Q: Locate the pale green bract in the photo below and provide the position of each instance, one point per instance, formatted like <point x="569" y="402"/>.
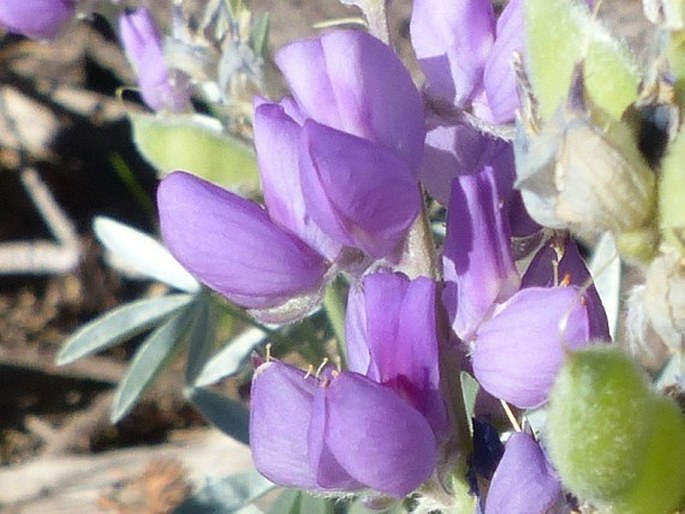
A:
<point x="197" y="144"/>
<point x="561" y="33"/>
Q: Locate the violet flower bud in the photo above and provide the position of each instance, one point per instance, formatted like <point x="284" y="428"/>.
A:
<point x="499" y="79"/>
<point x="392" y="338"/>
<point x="277" y="138"/>
<point x="351" y="81"/>
<point x="143" y="46"/>
<point x="518" y="351"/>
<point x="466" y="58"/>
<point x="524" y="483"/>
<point x="452" y="40"/>
<point x="560" y="261"/>
<point x="340" y="432"/>
<point x="231" y="245"/>
<point x="37" y="19"/>
<point x="361" y="194"/>
<point x="478" y="264"/>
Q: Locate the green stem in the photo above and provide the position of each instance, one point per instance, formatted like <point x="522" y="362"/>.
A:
<point x="335" y="311"/>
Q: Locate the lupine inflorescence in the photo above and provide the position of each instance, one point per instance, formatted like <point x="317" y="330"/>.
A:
<point x="450" y="213"/>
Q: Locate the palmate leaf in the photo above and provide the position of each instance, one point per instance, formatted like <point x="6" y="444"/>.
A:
<point x="229" y="416"/>
<point x="230" y="359"/>
<point x="143" y="253"/>
<point x="230" y="495"/>
<point x="202" y="336"/>
<point x="197" y="144"/>
<point x="120" y="324"/>
<point x="157" y="350"/>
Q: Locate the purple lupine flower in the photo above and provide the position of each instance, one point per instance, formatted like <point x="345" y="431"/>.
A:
<point x="351" y="81"/>
<point x="277" y="137"/>
<point x="231" y="244"/>
<point x="361" y="194"/>
<point x="332" y="188"/>
<point x="498" y="78"/>
<point x="524" y="483"/>
<point x="518" y="351"/>
<point x="392" y="338"/>
<point x="560" y="260"/>
<point x="337" y="432"/>
<point x="460" y="149"/>
<point x="467" y="57"/>
<point x="143" y="46"/>
<point x="478" y="264"/>
<point x="37" y="19"/>
<point x="339" y="162"/>
<point x="452" y="40"/>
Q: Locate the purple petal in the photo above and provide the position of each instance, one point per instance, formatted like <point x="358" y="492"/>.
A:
<point x="231" y="245"/>
<point x="377" y="437"/>
<point x="359" y="193"/>
<point x="392" y="339"/>
<point x="452" y="40"/>
<point x="280" y="411"/>
<point x="277" y="141"/>
<point x="353" y="82"/>
<point x="143" y="46"/>
<point x="478" y="264"/>
<point x="37" y="19"/>
<point x="328" y="471"/>
<point x="520" y="349"/>
<point x="454" y="150"/>
<point x="523" y="482"/>
<point x="570" y="270"/>
<point x="499" y="78"/>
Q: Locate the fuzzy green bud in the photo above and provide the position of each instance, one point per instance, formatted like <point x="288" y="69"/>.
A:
<point x="598" y="422"/>
<point x="614" y="442"/>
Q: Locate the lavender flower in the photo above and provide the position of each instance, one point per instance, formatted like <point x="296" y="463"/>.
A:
<point x="232" y="245"/>
<point x="331" y="188"/>
<point x="518" y="336"/>
<point x="361" y="194"/>
<point x="277" y="137"/>
<point x="467" y="57"/>
<point x="351" y="81"/>
<point x="518" y="351"/>
<point x="392" y="338"/>
<point x="559" y="261"/>
<point x="478" y="264"/>
<point x="358" y="125"/>
<point x="143" y="46"/>
<point x="338" y="432"/>
<point x="524" y="483"/>
<point x="37" y="19"/>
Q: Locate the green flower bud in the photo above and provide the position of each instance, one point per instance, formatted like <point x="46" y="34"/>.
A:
<point x="639" y="245"/>
<point x="598" y="422"/>
<point x="660" y="485"/>
<point x="671" y="193"/>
